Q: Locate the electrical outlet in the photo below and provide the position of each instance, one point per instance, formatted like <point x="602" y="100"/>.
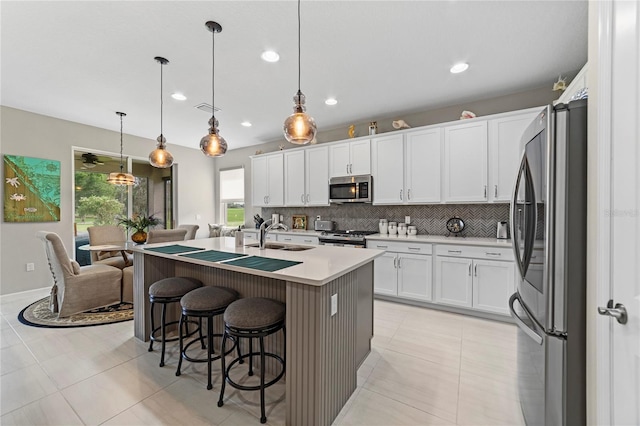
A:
<point x="31" y="267"/>
<point x="334" y="304"/>
<point x="318" y="217"/>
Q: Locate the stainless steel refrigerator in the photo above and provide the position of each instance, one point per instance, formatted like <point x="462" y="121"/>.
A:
<point x="548" y="224"/>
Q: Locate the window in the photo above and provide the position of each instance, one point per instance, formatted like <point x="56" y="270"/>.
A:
<point x="232" y="196"/>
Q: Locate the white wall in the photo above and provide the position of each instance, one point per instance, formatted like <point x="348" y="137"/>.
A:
<point x="32" y="135"/>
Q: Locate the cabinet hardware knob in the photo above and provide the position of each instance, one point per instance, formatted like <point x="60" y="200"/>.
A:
<point x="493" y="254"/>
<point x="495" y="192"/>
<point x="401" y="195"/>
<point x="395" y="262"/>
<point x="485" y="191"/>
<point x="475" y="270"/>
<point x="454" y="251"/>
<point x="409" y="194"/>
<point x="469" y="269"/>
<point x="414" y="248"/>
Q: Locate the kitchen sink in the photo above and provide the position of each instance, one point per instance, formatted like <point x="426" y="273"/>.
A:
<point x="274" y="246"/>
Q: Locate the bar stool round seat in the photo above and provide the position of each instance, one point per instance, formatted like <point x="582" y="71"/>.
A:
<point x="204" y="302"/>
<point x="164" y="292"/>
<point x="253" y="317"/>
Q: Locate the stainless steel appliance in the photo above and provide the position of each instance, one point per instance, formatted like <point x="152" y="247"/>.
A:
<point x="501" y="231"/>
<point x="324" y="225"/>
<point x="349" y="238"/>
<point x="350" y="189"/>
<point x="548" y="227"/>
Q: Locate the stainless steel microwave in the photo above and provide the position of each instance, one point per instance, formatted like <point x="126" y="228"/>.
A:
<point x="350" y="189"/>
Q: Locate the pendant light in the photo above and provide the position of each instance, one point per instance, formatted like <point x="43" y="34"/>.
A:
<point x="160" y="157"/>
<point x="121" y="178"/>
<point x="213" y="145"/>
<point x="299" y="128"/>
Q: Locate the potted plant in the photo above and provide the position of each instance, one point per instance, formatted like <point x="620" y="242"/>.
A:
<point x="139" y="223"/>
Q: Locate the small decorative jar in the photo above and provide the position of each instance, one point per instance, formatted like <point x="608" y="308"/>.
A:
<point x="373" y="128"/>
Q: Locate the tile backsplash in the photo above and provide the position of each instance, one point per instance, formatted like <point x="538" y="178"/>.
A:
<point x="480" y="219"/>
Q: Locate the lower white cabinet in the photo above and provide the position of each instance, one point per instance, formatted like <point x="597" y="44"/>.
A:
<point x="401" y="274"/>
<point x="472" y="283"/>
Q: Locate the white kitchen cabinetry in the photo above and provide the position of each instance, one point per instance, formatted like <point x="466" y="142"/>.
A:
<point x="505" y="150"/>
<point x="267" y="180"/>
<point x="405" y="270"/>
<point x="470" y="278"/>
<point x="350" y="158"/>
<point x="306" y="177"/>
<point x="465" y="162"/>
<point x="406" y="168"/>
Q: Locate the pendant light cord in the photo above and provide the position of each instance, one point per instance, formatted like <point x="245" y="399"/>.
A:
<point x="161" y="132"/>
<point x="298" y="46"/>
<point x="121" y="167"/>
<point x="213" y="74"/>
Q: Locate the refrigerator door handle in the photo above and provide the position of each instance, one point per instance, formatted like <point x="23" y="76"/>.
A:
<point x="520" y="323"/>
<point x="514" y="211"/>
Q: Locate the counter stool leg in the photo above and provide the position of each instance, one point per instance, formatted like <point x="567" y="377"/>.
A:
<point x="224" y="370"/>
<point x="251" y="356"/>
<point x="210" y="350"/>
<point x="164" y="332"/>
<point x="200" y="332"/>
<point x="237" y="342"/>
<point x="263" y="419"/>
<point x="182" y="318"/>
<point x="152" y="328"/>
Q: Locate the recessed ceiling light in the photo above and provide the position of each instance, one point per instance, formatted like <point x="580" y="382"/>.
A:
<point x="270" y="56"/>
<point x="458" y="68"/>
<point x="179" y="97"/>
<point x="246" y="123"/>
<point x="331" y="101"/>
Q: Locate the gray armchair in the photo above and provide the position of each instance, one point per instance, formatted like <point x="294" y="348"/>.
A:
<point x="78" y="288"/>
<point x="108" y="234"/>
<point x="154" y="236"/>
<point x="191" y="231"/>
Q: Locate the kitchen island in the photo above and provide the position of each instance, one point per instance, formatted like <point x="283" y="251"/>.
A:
<point x="323" y="351"/>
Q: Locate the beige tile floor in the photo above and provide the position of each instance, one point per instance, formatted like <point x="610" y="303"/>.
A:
<point x="426" y="367"/>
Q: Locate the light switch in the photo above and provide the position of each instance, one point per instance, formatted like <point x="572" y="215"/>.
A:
<point x="334" y="304"/>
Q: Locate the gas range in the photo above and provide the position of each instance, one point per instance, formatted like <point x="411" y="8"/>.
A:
<point x="345" y="238"/>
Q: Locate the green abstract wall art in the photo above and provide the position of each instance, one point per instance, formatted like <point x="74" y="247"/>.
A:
<point x="31" y="189"/>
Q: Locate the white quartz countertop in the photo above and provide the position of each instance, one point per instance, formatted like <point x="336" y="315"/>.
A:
<point x="441" y="239"/>
<point x="320" y="264"/>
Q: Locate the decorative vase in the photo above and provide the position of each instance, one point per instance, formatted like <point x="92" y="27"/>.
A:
<point x="139" y="237"/>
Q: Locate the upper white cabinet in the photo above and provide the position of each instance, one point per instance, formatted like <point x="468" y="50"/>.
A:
<point x="387" y="160"/>
<point x="465" y="162"/>
<point x="350" y="158"/>
<point x="406" y="167"/>
<point x="505" y="148"/>
<point x="306" y="176"/>
<point x="267" y="180"/>
<point x="422" y="165"/>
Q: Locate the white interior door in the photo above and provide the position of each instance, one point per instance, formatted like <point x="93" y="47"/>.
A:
<point x="618" y="203"/>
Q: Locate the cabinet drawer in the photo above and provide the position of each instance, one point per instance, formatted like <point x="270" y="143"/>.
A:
<point x="400" y="247"/>
<point x="494" y="253"/>
<point x="298" y="239"/>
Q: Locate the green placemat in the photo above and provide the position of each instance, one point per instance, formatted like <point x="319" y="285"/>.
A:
<point x="262" y="263"/>
<point x="173" y="249"/>
<point x="213" y="255"/>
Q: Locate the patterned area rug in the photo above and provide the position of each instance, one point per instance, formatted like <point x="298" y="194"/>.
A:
<point x="38" y="315"/>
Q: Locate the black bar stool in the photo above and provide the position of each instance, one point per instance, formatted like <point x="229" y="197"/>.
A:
<point x="252" y="317"/>
<point x="164" y="292"/>
<point x="204" y="302"/>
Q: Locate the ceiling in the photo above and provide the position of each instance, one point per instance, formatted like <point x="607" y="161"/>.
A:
<point x="84" y="60"/>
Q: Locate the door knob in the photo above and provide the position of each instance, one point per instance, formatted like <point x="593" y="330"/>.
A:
<point x="619" y="312"/>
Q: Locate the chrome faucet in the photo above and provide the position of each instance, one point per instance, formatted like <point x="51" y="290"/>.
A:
<point x="265" y="228"/>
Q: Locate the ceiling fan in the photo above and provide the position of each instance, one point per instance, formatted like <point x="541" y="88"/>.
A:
<point x="90" y="160"/>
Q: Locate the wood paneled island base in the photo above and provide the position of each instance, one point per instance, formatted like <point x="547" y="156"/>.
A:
<point x="323" y="351"/>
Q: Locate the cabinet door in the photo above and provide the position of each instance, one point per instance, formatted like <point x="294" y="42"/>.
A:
<point x="414" y="276"/>
<point x="360" y="154"/>
<point x="339" y="160"/>
<point x="505" y="150"/>
<point x="298" y="239"/>
<point x="453" y="281"/>
<point x="275" y="180"/>
<point x="465" y="162"/>
<point x="317" y="176"/>
<point x="492" y="285"/>
<point x="259" y="188"/>
<point x="422" y="166"/>
<point x="385" y="275"/>
<point x="387" y="170"/>
<point x="294" y="173"/>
